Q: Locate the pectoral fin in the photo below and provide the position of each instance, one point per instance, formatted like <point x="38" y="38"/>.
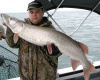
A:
<point x="49" y="48"/>
<point x="15" y="38"/>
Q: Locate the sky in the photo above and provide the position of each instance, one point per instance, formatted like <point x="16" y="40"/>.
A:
<point x="9" y="6"/>
<point x="14" y="6"/>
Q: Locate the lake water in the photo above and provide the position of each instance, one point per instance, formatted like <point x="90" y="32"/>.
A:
<point x="89" y="33"/>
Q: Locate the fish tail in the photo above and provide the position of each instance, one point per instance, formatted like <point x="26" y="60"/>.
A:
<point x="87" y="72"/>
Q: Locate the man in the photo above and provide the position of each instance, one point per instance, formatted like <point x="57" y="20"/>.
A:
<point x="35" y="62"/>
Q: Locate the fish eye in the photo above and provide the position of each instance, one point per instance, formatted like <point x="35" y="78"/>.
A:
<point x="10" y="18"/>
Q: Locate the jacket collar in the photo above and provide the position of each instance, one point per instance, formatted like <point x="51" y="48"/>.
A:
<point x="43" y="22"/>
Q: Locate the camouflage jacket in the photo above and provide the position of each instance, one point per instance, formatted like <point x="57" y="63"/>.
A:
<point x="33" y="63"/>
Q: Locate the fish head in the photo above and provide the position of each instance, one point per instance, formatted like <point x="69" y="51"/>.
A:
<point x="13" y="23"/>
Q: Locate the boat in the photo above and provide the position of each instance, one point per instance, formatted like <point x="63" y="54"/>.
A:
<point x="69" y="74"/>
<point x="66" y="73"/>
<point x="8" y="64"/>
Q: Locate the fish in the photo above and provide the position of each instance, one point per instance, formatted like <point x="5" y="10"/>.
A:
<point x="41" y="36"/>
<point x="2" y="31"/>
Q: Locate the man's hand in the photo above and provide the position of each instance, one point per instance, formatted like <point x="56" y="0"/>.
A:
<point x="4" y="24"/>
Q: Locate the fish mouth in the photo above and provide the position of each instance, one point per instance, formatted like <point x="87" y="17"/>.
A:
<point x="2" y="16"/>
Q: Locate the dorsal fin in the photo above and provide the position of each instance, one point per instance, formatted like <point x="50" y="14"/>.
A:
<point x="84" y="47"/>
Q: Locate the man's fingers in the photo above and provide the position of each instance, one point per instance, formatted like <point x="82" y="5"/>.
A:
<point x="4" y="24"/>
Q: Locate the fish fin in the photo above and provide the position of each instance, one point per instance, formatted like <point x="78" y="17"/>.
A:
<point x="84" y="47"/>
<point x="75" y="64"/>
<point x="15" y="38"/>
<point x="87" y="72"/>
<point x="49" y="48"/>
<point x="86" y="75"/>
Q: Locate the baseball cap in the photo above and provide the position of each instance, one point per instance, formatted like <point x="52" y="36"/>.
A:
<point x="34" y="4"/>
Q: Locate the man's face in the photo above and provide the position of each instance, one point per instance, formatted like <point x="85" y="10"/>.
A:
<point x="36" y="15"/>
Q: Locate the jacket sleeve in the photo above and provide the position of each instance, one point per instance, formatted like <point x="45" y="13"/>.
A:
<point x="9" y="39"/>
